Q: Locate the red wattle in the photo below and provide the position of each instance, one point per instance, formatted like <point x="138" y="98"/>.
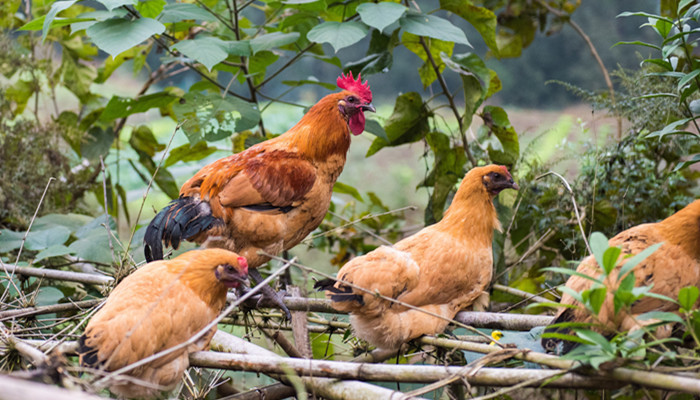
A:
<point x="357" y="123"/>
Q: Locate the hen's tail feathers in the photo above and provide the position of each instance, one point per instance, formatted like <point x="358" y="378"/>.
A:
<point x="556" y="345"/>
<point x="180" y="220"/>
<point x="342" y="293"/>
<point x="87" y="354"/>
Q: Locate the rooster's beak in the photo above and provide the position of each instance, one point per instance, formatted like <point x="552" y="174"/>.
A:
<point x="368" y="107"/>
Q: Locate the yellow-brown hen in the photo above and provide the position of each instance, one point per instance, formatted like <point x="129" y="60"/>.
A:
<point x="676" y="264"/>
<point x="441" y="269"/>
<point x="161" y="305"/>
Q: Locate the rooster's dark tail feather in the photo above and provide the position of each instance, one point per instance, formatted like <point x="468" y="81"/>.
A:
<point x="342" y="293"/>
<point x="180" y="220"/>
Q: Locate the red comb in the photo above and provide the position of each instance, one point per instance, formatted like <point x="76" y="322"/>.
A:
<point x="349" y="83"/>
<point x="243" y="263"/>
<point x="505" y="170"/>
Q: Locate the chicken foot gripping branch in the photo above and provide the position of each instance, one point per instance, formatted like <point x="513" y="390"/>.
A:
<point x="440" y="270"/>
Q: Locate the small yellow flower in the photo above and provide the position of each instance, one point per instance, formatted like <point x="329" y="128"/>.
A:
<point x="496" y="335"/>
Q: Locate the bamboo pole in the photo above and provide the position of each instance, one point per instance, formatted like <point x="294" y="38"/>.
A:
<point x="511" y="322"/>
<point x="395" y="373"/>
<point x="329" y="388"/>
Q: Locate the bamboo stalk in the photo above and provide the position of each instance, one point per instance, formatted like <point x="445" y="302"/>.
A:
<point x="54" y="308"/>
<point x="511" y="322"/>
<point x="90" y="279"/>
<point x="324" y="387"/>
<point x="394" y="373"/>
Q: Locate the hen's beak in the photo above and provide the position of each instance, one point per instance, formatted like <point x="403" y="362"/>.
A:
<point x="514" y="185"/>
<point x="368" y="107"/>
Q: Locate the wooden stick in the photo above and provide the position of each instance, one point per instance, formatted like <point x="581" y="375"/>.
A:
<point x="13" y="389"/>
<point x="54" y="308"/>
<point x="521" y="293"/>
<point x="394" y="373"/>
<point x="55" y="274"/>
<point x="299" y="328"/>
<point x="269" y="392"/>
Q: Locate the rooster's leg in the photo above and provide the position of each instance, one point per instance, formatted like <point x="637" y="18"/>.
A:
<point x="269" y="295"/>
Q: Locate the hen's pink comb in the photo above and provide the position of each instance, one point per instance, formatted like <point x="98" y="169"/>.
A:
<point x="349" y="83"/>
<point x="243" y="263"/>
<point x="505" y="170"/>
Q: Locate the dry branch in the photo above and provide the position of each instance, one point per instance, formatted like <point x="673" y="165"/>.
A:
<point x="520" y="293"/>
<point x="90" y="279"/>
<point x="269" y="392"/>
<point x="54" y="308"/>
<point x="13" y="389"/>
<point x="324" y="387"/>
<point x="393" y="373"/>
<point x="511" y="322"/>
<point x="624" y="375"/>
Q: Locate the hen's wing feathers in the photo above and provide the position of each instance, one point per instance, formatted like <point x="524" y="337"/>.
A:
<point x="276" y="178"/>
<point x="142" y="323"/>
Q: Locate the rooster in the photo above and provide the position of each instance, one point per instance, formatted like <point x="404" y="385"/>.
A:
<point x="270" y="196"/>
<point x="441" y="269"/>
<point x="676" y="264"/>
<point x="157" y="307"/>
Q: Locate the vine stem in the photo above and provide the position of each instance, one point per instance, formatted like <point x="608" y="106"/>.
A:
<point x="450" y="99"/>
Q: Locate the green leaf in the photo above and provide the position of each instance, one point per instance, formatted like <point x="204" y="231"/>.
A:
<point x="481" y="18"/>
<point x="53" y="251"/>
<point x="637" y="258"/>
<point x="96" y="143"/>
<point x="273" y="40"/>
<point x="431" y="26"/>
<point x="38" y="24"/>
<point x="238" y="48"/>
<point x="211" y="117"/>
<point x="610" y="258"/>
<point x="496" y="120"/>
<point x="376" y="129"/>
<point x="10" y="240"/>
<point x="176" y="12"/>
<point x="340" y="187"/>
<point x="380" y="15"/>
<point x="572" y="272"/>
<point x="40" y="240"/>
<point x="70" y="221"/>
<point x="112" y="4"/>
<point x="56" y="8"/>
<point x="661" y="316"/>
<point x="595" y="338"/>
<point x="338" y="34"/>
<point x="476" y="78"/>
<point x="117" y="35"/>
<point x="150" y="8"/>
<point x="694" y="160"/>
<point x="209" y="51"/>
<point x="95" y="223"/>
<point x="688" y="296"/>
<point x="598" y="243"/>
<point x="596" y="298"/>
<point x="188" y="152"/>
<point x="95" y="247"/>
<point x="408" y="123"/>
<point x="436" y="47"/>
<point x="143" y="141"/>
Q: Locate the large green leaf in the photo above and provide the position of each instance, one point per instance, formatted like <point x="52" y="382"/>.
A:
<point x="150" y="8"/>
<point x="189" y="152"/>
<point x="43" y="239"/>
<point x="211" y="117"/>
<point x="447" y="170"/>
<point x="432" y="26"/>
<point x="481" y="18"/>
<point x="96" y="143"/>
<point x="117" y="35"/>
<point x="380" y="15"/>
<point x="56" y="8"/>
<point x="38" y="24"/>
<point x="10" y="240"/>
<point x="95" y="247"/>
<point x="112" y="4"/>
<point x="478" y="81"/>
<point x="209" y="51"/>
<point x="408" y="123"/>
<point x="496" y="120"/>
<point x="437" y="48"/>
<point x="121" y="107"/>
<point x="273" y="40"/>
<point x="176" y="12"/>
<point x="338" y="34"/>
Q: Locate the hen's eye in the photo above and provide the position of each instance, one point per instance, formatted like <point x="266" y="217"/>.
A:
<point x="229" y="268"/>
<point x="497" y="175"/>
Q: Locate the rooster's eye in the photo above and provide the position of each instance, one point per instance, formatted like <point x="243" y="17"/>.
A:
<point x="352" y="99"/>
<point x="229" y="268"/>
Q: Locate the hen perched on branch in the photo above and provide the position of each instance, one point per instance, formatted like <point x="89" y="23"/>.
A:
<point x="676" y="264"/>
<point x="273" y="194"/>
<point x="161" y="305"/>
<point x="441" y="269"/>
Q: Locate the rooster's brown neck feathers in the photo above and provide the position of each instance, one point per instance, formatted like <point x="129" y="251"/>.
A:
<point x="323" y="131"/>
